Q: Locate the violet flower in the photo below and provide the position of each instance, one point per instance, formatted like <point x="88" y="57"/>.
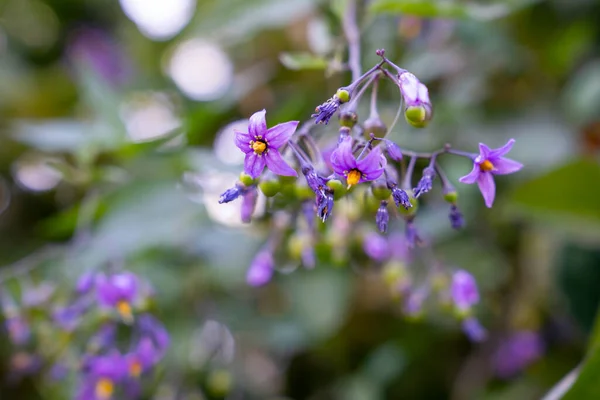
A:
<point x="425" y="183"/>
<point x="418" y="109"/>
<point x="356" y="171"/>
<point x="249" y="199"/>
<point x="261" y="269"/>
<point x="142" y="359"/>
<point x="464" y="290"/>
<point x="393" y="150"/>
<point x="383" y="216"/>
<point x="18" y="329"/>
<point x="103" y="373"/>
<point x="118" y="291"/>
<point x="473" y="329"/>
<point x="376" y="247"/>
<point x="153" y="328"/>
<point x="517" y="352"/>
<point x="488" y="163"/>
<point x="456" y="217"/>
<point x="261" y="145"/>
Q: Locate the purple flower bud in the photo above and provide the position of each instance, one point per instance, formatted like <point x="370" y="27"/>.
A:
<point x="456" y="217"/>
<point x="418" y="109"/>
<point x="58" y="372"/>
<point x="412" y="236"/>
<point x="400" y="197"/>
<point x="308" y="256"/>
<point x="151" y="327"/>
<point x="315" y="182"/>
<point x="516" y="352"/>
<point x="473" y="329"/>
<point x="18" y="329"/>
<point x="393" y="150"/>
<point x="376" y="247"/>
<point x="414" y="303"/>
<point x="425" y="183"/>
<point x="103" y="339"/>
<point x="248" y="204"/>
<point x="464" y="290"/>
<point x="382" y="218"/>
<point x="261" y="269"/>
<point x="231" y="194"/>
<point x="68" y="317"/>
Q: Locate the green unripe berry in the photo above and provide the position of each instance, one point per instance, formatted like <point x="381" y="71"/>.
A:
<point x="219" y="383"/>
<point x="303" y="192"/>
<point x="451" y="197"/>
<point x="380" y="191"/>
<point x="348" y="119"/>
<point x="338" y="187"/>
<point x="374" y="126"/>
<point x="247" y="180"/>
<point x="416" y="116"/>
<point x="270" y="187"/>
<point x="343" y="95"/>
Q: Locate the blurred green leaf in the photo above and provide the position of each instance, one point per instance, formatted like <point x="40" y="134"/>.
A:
<point x="448" y="9"/>
<point x="568" y="194"/>
<point x="298" y="61"/>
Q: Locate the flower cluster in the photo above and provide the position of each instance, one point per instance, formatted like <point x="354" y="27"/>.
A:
<point x="125" y="344"/>
<point x="359" y="172"/>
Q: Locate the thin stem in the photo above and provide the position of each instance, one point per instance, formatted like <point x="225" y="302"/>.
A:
<point x="460" y="153"/>
<point x="355" y="99"/>
<point x="406" y="182"/>
<point x="353" y="36"/>
<point x="397" y="117"/>
<point x="374" y="90"/>
<point x="352" y="87"/>
<point x="447" y="185"/>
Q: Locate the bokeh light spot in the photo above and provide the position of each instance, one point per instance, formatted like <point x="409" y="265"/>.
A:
<point x="159" y="19"/>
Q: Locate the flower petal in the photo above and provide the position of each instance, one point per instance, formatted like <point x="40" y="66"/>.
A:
<point x="254" y="164"/>
<point x="257" y="126"/>
<point x="276" y="164"/>
<point x="501" y="151"/>
<point x="487" y="186"/>
<point x="472" y="176"/>
<point x="342" y="158"/>
<point x="280" y="134"/>
<point x="484" y="153"/>
<point x="504" y="166"/>
<point x="242" y="140"/>
<point x="371" y="162"/>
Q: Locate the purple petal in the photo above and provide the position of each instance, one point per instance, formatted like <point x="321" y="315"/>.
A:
<point x="280" y="134"/>
<point x="501" y="151"/>
<point x="242" y="141"/>
<point x="254" y="164"/>
<point x="342" y="158"/>
<point x="472" y="176"/>
<point x="487" y="186"/>
<point x="276" y="164"/>
<point x="484" y="153"/>
<point x="371" y="163"/>
<point x="257" y="126"/>
<point x="504" y="166"/>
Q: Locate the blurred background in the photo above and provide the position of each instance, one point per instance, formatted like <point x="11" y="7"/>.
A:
<point x="116" y="128"/>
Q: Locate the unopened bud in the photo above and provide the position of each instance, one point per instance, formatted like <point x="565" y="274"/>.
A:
<point x="374" y="126"/>
<point x="348" y="119"/>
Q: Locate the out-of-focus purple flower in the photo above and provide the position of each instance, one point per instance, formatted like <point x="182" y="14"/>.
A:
<point x="425" y="183"/>
<point x="97" y="50"/>
<point x="68" y="317"/>
<point x="456" y="217"/>
<point x="399" y="250"/>
<point x="473" y="329"/>
<point x="104" y="338"/>
<point x="412" y="235"/>
<point x="376" y="247"/>
<point x="231" y="194"/>
<point x="356" y="171"/>
<point x="18" y="329"/>
<point x="85" y="283"/>
<point x="488" y="163"/>
<point x="23" y="364"/>
<point x="249" y="199"/>
<point x="261" y="269"/>
<point x="383" y="216"/>
<point x="152" y="328"/>
<point x="517" y="352"/>
<point x="261" y="145"/>
<point x="142" y="359"/>
<point x="308" y="256"/>
<point x="118" y="291"/>
<point x="309" y="213"/>
<point x="464" y="290"/>
<point x="103" y="374"/>
<point x="59" y="371"/>
<point x="413" y="305"/>
<point x="393" y="150"/>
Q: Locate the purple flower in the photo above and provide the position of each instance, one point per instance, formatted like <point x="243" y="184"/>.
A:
<point x="464" y="290"/>
<point x="85" y="282"/>
<point x="356" y="171"/>
<point x="142" y="359"/>
<point x="68" y="317"/>
<point x="517" y="352"/>
<point x="102" y="374"/>
<point x="315" y="182"/>
<point x="248" y="204"/>
<point x="473" y="329"/>
<point x="412" y="235"/>
<point x="383" y="216"/>
<point x="23" y="364"/>
<point x="325" y="111"/>
<point x="488" y="163"/>
<point x="59" y="371"/>
<point x="261" y="269"/>
<point x="261" y="145"/>
<point x="38" y="295"/>
<point x="118" y="291"/>
<point x="324" y="202"/>
<point x="104" y="338"/>
<point x="152" y="328"/>
<point x="376" y="247"/>
<point x="231" y="194"/>
<point x="425" y="183"/>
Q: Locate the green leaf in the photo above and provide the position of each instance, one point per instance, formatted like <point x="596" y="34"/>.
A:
<point x="567" y="195"/>
<point x="448" y="9"/>
<point x="298" y="61"/>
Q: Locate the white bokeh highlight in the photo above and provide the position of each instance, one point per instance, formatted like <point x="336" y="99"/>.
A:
<point x="224" y="145"/>
<point x="35" y="175"/>
<point x="159" y="19"/>
<point x="149" y="116"/>
<point x="200" y="69"/>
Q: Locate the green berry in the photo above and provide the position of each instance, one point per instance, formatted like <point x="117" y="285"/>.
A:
<point x="343" y="95"/>
<point x="339" y="190"/>
<point x="416" y="116"/>
<point x="451" y="197"/>
<point x="270" y="187"/>
<point x="247" y="180"/>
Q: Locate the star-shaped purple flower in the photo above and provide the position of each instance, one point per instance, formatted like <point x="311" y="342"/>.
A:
<point x="356" y="171"/>
<point x="488" y="163"/>
<point x="261" y="145"/>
